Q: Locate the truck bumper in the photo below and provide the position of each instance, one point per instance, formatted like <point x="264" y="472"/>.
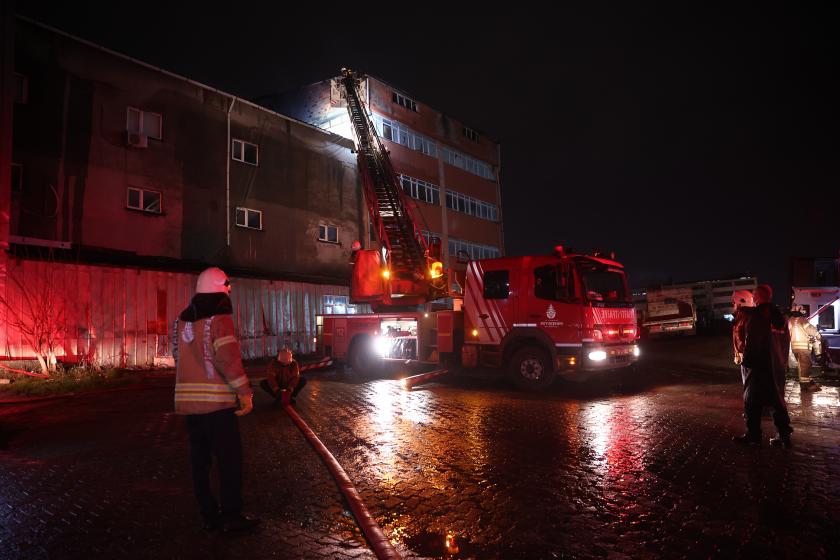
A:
<point x="598" y="357"/>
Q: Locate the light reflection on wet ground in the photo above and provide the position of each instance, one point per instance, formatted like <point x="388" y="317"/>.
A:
<point x="582" y="471"/>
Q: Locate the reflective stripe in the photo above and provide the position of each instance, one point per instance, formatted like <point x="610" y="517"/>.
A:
<point x="206" y="398"/>
<point x="208" y="359"/>
<point x="209" y="387"/>
<point x="219" y="342"/>
<point x="236" y="383"/>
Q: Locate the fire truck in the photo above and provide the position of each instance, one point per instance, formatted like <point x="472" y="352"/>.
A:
<point x="531" y="316"/>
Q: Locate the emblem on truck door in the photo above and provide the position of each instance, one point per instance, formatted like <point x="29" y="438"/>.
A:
<point x="550" y="312"/>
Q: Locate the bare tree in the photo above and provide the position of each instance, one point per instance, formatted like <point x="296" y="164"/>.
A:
<point x="39" y="317"/>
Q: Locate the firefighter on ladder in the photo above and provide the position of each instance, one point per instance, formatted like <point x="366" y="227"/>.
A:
<point x="803" y="337"/>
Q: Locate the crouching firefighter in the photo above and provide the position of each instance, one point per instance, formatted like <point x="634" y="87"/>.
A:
<point x="284" y="379"/>
<point x="212" y="390"/>
<point x="762" y="338"/>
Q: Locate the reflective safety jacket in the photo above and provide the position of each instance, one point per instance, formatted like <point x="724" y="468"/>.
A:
<point x="800" y="332"/>
<point x="209" y="375"/>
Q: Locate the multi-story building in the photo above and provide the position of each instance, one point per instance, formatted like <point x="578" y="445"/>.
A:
<point x="450" y="169"/>
<point x="125" y="180"/>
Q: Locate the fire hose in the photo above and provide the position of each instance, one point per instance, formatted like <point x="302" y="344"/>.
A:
<point x="373" y="533"/>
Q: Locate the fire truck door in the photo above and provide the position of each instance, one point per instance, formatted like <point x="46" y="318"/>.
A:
<point x="553" y="308"/>
<point x="339" y="337"/>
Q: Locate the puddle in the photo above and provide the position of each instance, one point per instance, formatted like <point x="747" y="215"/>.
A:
<point x="442" y="546"/>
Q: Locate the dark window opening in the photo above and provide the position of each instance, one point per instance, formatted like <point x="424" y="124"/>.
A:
<point x="496" y="284"/>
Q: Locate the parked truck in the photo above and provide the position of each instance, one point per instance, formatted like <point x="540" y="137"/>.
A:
<point x="531" y="316"/>
<point x="670" y="311"/>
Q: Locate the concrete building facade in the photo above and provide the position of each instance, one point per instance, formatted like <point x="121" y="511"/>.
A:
<point x="115" y="165"/>
<point x="450" y="170"/>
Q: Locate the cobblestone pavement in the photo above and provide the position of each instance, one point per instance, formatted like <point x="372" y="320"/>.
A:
<point x="628" y="465"/>
<point x="638" y="464"/>
<point x="107" y="476"/>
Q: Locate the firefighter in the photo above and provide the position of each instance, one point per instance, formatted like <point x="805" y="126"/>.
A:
<point x="212" y="390"/>
<point x="742" y="302"/>
<point x="354" y="251"/>
<point x="284" y="377"/>
<point x="763" y="342"/>
<point x="803" y="337"/>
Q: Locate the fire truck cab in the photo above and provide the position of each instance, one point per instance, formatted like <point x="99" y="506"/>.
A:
<point x="539" y="315"/>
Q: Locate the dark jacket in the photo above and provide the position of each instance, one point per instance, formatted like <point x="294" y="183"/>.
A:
<point x="766" y="340"/>
<point x="283" y="376"/>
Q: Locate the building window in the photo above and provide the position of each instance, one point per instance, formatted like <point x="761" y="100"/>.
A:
<point x="248" y="218"/>
<point x="404" y="101"/>
<point x="474" y="250"/>
<point x="467" y="163"/>
<point x="21" y="86"/>
<point x="328" y="233"/>
<point x="471" y="134"/>
<point x="399" y="133"/>
<point x="17" y="177"/>
<point x="421" y="190"/>
<point x="246" y="152"/>
<point x="144" y="123"/>
<point x="337" y="305"/>
<point x="472" y="206"/>
<point x="144" y="200"/>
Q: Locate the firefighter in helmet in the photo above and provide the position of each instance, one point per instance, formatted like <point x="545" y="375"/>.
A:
<point x="284" y="378"/>
<point x="803" y="338"/>
<point x="212" y="392"/>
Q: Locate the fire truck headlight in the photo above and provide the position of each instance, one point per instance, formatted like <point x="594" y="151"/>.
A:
<point x="636" y="351"/>
<point x="475" y="332"/>
<point x="597" y="355"/>
<point x="382" y="345"/>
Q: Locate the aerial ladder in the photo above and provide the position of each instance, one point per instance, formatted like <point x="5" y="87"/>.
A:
<point x="406" y="270"/>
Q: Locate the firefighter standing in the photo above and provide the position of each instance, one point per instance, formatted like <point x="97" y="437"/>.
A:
<point x="211" y="389"/>
<point x="803" y="336"/>
<point x="763" y="341"/>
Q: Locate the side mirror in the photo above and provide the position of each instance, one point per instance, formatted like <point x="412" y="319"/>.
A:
<point x="463" y="257"/>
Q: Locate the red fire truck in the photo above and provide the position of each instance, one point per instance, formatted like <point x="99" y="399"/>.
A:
<point x="532" y="316"/>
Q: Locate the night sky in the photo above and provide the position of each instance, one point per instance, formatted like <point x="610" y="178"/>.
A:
<point x="696" y="144"/>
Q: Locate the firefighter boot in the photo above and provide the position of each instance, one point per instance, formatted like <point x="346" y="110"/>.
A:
<point x="749" y="439"/>
<point x="781" y="440"/>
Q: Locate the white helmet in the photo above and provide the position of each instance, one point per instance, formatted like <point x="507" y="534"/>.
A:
<point x="213" y="280"/>
<point x="742" y="298"/>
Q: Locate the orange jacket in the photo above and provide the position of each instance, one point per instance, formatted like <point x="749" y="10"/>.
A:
<point x="800" y="333"/>
<point x="209" y="372"/>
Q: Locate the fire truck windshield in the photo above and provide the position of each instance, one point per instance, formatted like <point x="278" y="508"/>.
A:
<point x="603" y="284"/>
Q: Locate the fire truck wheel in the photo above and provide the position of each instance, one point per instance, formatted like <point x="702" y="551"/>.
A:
<point x="530" y="369"/>
<point x="362" y="357"/>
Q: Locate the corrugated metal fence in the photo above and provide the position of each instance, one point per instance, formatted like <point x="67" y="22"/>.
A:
<point x="123" y="316"/>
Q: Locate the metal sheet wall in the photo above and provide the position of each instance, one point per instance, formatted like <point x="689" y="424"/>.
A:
<point x="123" y="316"/>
